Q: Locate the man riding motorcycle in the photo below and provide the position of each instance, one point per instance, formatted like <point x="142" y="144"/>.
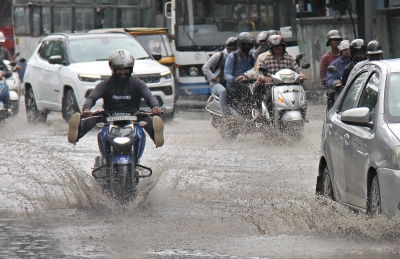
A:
<point x="333" y="39"/>
<point x="357" y="52"/>
<point x="333" y="79"/>
<point x="276" y="60"/>
<point x="262" y="40"/>
<point x="237" y="63"/>
<point x="121" y="93"/>
<point x="213" y="69"/>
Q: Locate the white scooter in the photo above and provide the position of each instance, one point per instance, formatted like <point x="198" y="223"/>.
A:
<point x="14" y="87"/>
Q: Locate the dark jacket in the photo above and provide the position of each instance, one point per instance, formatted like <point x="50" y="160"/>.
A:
<point x="123" y="97"/>
<point x="346" y="73"/>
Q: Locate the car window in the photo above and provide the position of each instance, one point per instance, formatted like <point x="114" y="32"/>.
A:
<point x="369" y="95"/>
<point x="58" y="49"/>
<point x="392" y="98"/>
<point x="350" y="98"/>
<point x="45" y="49"/>
<point x="97" y="49"/>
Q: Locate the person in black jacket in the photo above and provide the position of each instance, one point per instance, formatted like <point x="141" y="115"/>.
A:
<point x="358" y="48"/>
<point x="122" y="93"/>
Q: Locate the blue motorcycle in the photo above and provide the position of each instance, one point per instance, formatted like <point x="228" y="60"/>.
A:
<point x="121" y="143"/>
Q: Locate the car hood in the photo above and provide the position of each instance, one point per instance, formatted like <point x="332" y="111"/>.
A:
<point x="101" y="67"/>
<point x="395" y="129"/>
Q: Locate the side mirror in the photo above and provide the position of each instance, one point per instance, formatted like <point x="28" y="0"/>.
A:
<point x="13" y="63"/>
<point x="357" y="117"/>
<point x="332" y="69"/>
<point x="16" y="55"/>
<point x="157" y="56"/>
<point x="55" y="60"/>
<point x="299" y="56"/>
<point x="305" y="66"/>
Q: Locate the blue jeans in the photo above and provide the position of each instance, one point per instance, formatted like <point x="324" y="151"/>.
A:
<point x="220" y="90"/>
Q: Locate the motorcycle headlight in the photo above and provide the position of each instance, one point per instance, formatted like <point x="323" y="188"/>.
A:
<point x="89" y="78"/>
<point x="396" y="158"/>
<point x="193" y="71"/>
<point x="121" y="140"/>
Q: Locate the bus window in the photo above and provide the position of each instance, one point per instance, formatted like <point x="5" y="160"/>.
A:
<point x="62" y="19"/>
<point x="21" y="20"/>
<point x="84" y="18"/>
<point x="128" y="17"/>
<point x="110" y="20"/>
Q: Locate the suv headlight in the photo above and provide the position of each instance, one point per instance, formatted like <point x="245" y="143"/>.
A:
<point x="166" y="74"/>
<point x="89" y="78"/>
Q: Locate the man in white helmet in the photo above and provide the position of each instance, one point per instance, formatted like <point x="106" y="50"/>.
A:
<point x="4" y="54"/>
<point x="121" y="93"/>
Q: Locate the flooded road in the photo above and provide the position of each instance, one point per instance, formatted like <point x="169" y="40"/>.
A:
<point x="208" y="198"/>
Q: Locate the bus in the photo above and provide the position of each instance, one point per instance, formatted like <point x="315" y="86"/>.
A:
<point x="198" y="28"/>
<point x="201" y="27"/>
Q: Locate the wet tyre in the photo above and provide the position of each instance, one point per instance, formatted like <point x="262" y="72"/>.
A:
<point x="374" y="198"/>
<point x="123" y="184"/>
<point x="69" y="106"/>
<point x="14" y="106"/>
<point x="32" y="113"/>
<point x="327" y="189"/>
<point x="103" y="179"/>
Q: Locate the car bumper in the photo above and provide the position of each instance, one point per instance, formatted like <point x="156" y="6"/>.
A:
<point x="389" y="185"/>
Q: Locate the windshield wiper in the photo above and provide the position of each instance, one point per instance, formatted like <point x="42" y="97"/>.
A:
<point x="142" y="58"/>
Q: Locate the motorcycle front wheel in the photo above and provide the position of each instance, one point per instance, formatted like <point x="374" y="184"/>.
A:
<point x="124" y="184"/>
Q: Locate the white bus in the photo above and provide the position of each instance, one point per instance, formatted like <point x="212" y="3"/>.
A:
<point x="201" y="27"/>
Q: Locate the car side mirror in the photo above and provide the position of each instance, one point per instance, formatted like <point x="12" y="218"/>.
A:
<point x="305" y="66"/>
<point x="56" y="60"/>
<point x="357" y="117"/>
<point x="332" y="69"/>
<point x="156" y="56"/>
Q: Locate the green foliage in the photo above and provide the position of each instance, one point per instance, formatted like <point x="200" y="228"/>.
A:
<point x="340" y="6"/>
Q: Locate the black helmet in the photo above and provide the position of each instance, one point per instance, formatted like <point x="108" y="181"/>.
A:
<point x="246" y="41"/>
<point x="264" y="35"/>
<point x="358" y="45"/>
<point x="333" y="34"/>
<point x="276" y="40"/>
<point x="231" y="43"/>
<point x="374" y="47"/>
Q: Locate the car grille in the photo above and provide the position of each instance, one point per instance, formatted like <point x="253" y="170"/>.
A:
<point x="148" y="78"/>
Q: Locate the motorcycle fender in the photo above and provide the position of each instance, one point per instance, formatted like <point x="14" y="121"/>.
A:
<point x="13" y="96"/>
<point x="291" y="116"/>
<point x="122" y="160"/>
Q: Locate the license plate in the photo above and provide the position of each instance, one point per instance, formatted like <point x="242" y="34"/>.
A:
<point x="122" y="118"/>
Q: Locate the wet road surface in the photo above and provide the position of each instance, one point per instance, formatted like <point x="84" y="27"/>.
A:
<point x="208" y="198"/>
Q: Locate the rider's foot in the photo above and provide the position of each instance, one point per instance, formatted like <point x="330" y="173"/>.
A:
<point x="158" y="127"/>
<point x="73" y="128"/>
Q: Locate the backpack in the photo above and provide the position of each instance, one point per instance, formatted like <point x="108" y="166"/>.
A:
<point x="221" y="66"/>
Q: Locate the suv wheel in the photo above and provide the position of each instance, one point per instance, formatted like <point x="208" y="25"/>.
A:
<point x="70" y="106"/>
<point x="32" y="113"/>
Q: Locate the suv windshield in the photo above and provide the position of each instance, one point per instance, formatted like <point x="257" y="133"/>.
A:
<point x="96" y="49"/>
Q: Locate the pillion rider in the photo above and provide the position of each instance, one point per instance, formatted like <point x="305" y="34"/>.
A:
<point x="121" y="93"/>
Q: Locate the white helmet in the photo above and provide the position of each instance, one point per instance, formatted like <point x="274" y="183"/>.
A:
<point x="344" y="44"/>
<point x="2" y="38"/>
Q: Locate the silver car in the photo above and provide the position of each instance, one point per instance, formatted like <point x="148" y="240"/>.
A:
<point x="360" y="150"/>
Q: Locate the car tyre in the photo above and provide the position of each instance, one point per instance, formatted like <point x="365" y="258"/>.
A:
<point x="70" y="105"/>
<point x="374" y="198"/>
<point x="327" y="189"/>
<point x="32" y="113"/>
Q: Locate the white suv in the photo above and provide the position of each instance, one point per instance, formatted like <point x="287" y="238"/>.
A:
<point x="65" y="68"/>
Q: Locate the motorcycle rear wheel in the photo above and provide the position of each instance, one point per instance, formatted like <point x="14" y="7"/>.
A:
<point x="124" y="183"/>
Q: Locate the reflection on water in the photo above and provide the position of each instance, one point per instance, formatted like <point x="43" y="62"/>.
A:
<point x="208" y="198"/>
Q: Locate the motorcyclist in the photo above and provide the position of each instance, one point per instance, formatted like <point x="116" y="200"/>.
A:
<point x="213" y="69"/>
<point x="333" y="39"/>
<point x="121" y="93"/>
<point x="374" y="51"/>
<point x="357" y="52"/>
<point x="262" y="40"/>
<point x="4" y="54"/>
<point x="275" y="61"/>
<point x="237" y="63"/>
<point x="334" y="79"/>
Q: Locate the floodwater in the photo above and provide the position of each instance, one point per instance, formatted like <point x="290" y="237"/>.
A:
<point x="208" y="198"/>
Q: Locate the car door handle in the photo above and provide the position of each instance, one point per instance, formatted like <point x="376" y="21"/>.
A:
<point x="346" y="138"/>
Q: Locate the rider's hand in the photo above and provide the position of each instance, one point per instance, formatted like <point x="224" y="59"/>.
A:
<point x="216" y="79"/>
<point x="240" y="79"/>
<point x="265" y="79"/>
<point x="86" y="113"/>
<point x="303" y="77"/>
<point x="337" y="82"/>
<point x="157" y="111"/>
